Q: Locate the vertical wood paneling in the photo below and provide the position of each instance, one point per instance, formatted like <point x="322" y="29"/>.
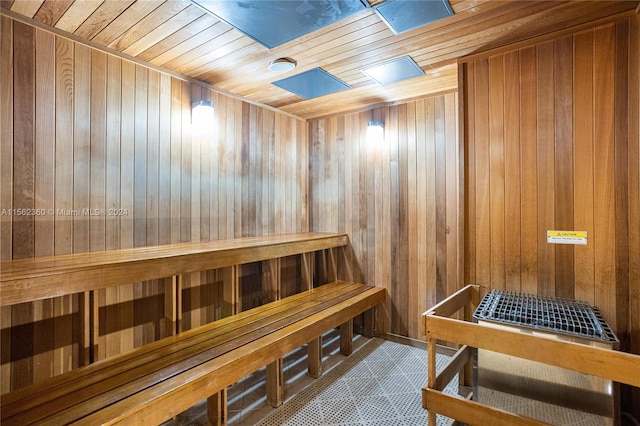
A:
<point x="583" y="167"/>
<point x="482" y="162"/>
<point x="430" y="212"/>
<point x="621" y="177"/>
<point x="440" y="198"/>
<point x="512" y="177"/>
<point x="634" y="191"/>
<point x="22" y="371"/>
<point x="113" y="122"/>
<point x="496" y="171"/>
<point x="121" y="145"/>
<point x="6" y="174"/>
<point x="529" y="167"/>
<point x="81" y="146"/>
<point x="44" y="186"/>
<point x="546" y="166"/>
<point x="24" y="143"/>
<point x="98" y="152"/>
<point x="604" y="171"/>
<point x="153" y="159"/>
<point x="563" y="173"/>
<point x="577" y="161"/>
<point x="399" y="201"/>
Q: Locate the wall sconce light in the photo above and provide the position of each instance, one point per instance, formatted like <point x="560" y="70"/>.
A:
<point x="202" y="114"/>
<point x="375" y="133"/>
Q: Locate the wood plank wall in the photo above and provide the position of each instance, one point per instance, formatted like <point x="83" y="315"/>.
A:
<point x="398" y="202"/>
<point x="82" y="129"/>
<point x="552" y="143"/>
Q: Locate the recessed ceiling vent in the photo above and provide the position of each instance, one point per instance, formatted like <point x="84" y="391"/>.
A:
<point x="274" y="22"/>
<point x="312" y="84"/>
<point x="405" y="15"/>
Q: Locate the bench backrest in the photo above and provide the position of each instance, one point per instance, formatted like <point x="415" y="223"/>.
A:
<point x="25" y="280"/>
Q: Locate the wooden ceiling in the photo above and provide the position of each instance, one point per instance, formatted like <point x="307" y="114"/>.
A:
<point x="179" y="36"/>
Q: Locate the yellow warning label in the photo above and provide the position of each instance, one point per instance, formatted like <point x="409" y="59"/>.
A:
<point x="567" y="237"/>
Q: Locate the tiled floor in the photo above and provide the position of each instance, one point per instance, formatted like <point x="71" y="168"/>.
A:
<point x="379" y="384"/>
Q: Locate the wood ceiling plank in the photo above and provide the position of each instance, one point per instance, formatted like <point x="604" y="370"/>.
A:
<point x="27" y="8"/>
<point x="148" y="23"/>
<point x="349" y="49"/>
<point x="209" y="51"/>
<point x="51" y="11"/>
<point x="375" y="94"/>
<point x="123" y="22"/>
<point x="329" y="38"/>
<point x="428" y="36"/>
<point x="307" y="59"/>
<point x="194" y="47"/>
<point x="199" y="26"/>
<point x="101" y="17"/>
<point x="514" y="31"/>
<point x="164" y="30"/>
<point x="177" y="36"/>
<point x="462" y="5"/>
<point x="79" y="11"/>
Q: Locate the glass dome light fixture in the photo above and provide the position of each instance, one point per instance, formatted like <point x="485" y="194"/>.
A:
<point x="375" y="133"/>
<point x="282" y="65"/>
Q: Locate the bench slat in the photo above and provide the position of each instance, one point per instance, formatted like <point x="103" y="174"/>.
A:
<point x="172" y="361"/>
<point x="95" y="373"/>
<point x="189" y="388"/>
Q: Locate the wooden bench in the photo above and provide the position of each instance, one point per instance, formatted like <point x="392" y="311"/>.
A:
<point x="162" y="379"/>
<point x="159" y="380"/>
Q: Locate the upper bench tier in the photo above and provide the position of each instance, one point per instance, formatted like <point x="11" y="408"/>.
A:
<point x="25" y="280"/>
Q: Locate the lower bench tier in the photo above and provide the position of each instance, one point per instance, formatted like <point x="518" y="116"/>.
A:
<point x="160" y="380"/>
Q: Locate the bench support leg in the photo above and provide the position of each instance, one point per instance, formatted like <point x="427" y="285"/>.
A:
<point x="369" y="323"/>
<point x="275" y="381"/>
<point x="314" y="357"/>
<point x="217" y="408"/>
<point x="346" y="338"/>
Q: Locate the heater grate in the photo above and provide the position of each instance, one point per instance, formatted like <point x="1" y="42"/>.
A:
<point x="556" y="315"/>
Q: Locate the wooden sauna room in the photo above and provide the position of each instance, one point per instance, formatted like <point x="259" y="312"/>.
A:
<point x="320" y="212"/>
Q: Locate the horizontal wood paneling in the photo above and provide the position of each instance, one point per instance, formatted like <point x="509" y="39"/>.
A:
<point x="398" y="202"/>
<point x="121" y="144"/>
<point x="551" y="139"/>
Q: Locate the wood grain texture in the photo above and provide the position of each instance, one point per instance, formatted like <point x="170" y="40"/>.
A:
<point x="634" y="207"/>
<point x="572" y="167"/>
<point x="389" y="198"/>
<point x="226" y="350"/>
<point x="116" y="167"/>
<point x="181" y="37"/>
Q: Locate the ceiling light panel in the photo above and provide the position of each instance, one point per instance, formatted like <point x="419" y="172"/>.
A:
<point x="274" y="22"/>
<point x="405" y="15"/>
<point x="312" y="84"/>
<point x="395" y="70"/>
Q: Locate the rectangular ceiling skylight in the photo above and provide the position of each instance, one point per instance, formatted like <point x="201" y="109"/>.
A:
<point x="395" y="70"/>
<point x="312" y="84"/>
<point x="274" y="22"/>
<point x="405" y="15"/>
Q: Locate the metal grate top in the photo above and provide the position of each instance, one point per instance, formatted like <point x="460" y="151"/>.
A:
<point x="564" y="316"/>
